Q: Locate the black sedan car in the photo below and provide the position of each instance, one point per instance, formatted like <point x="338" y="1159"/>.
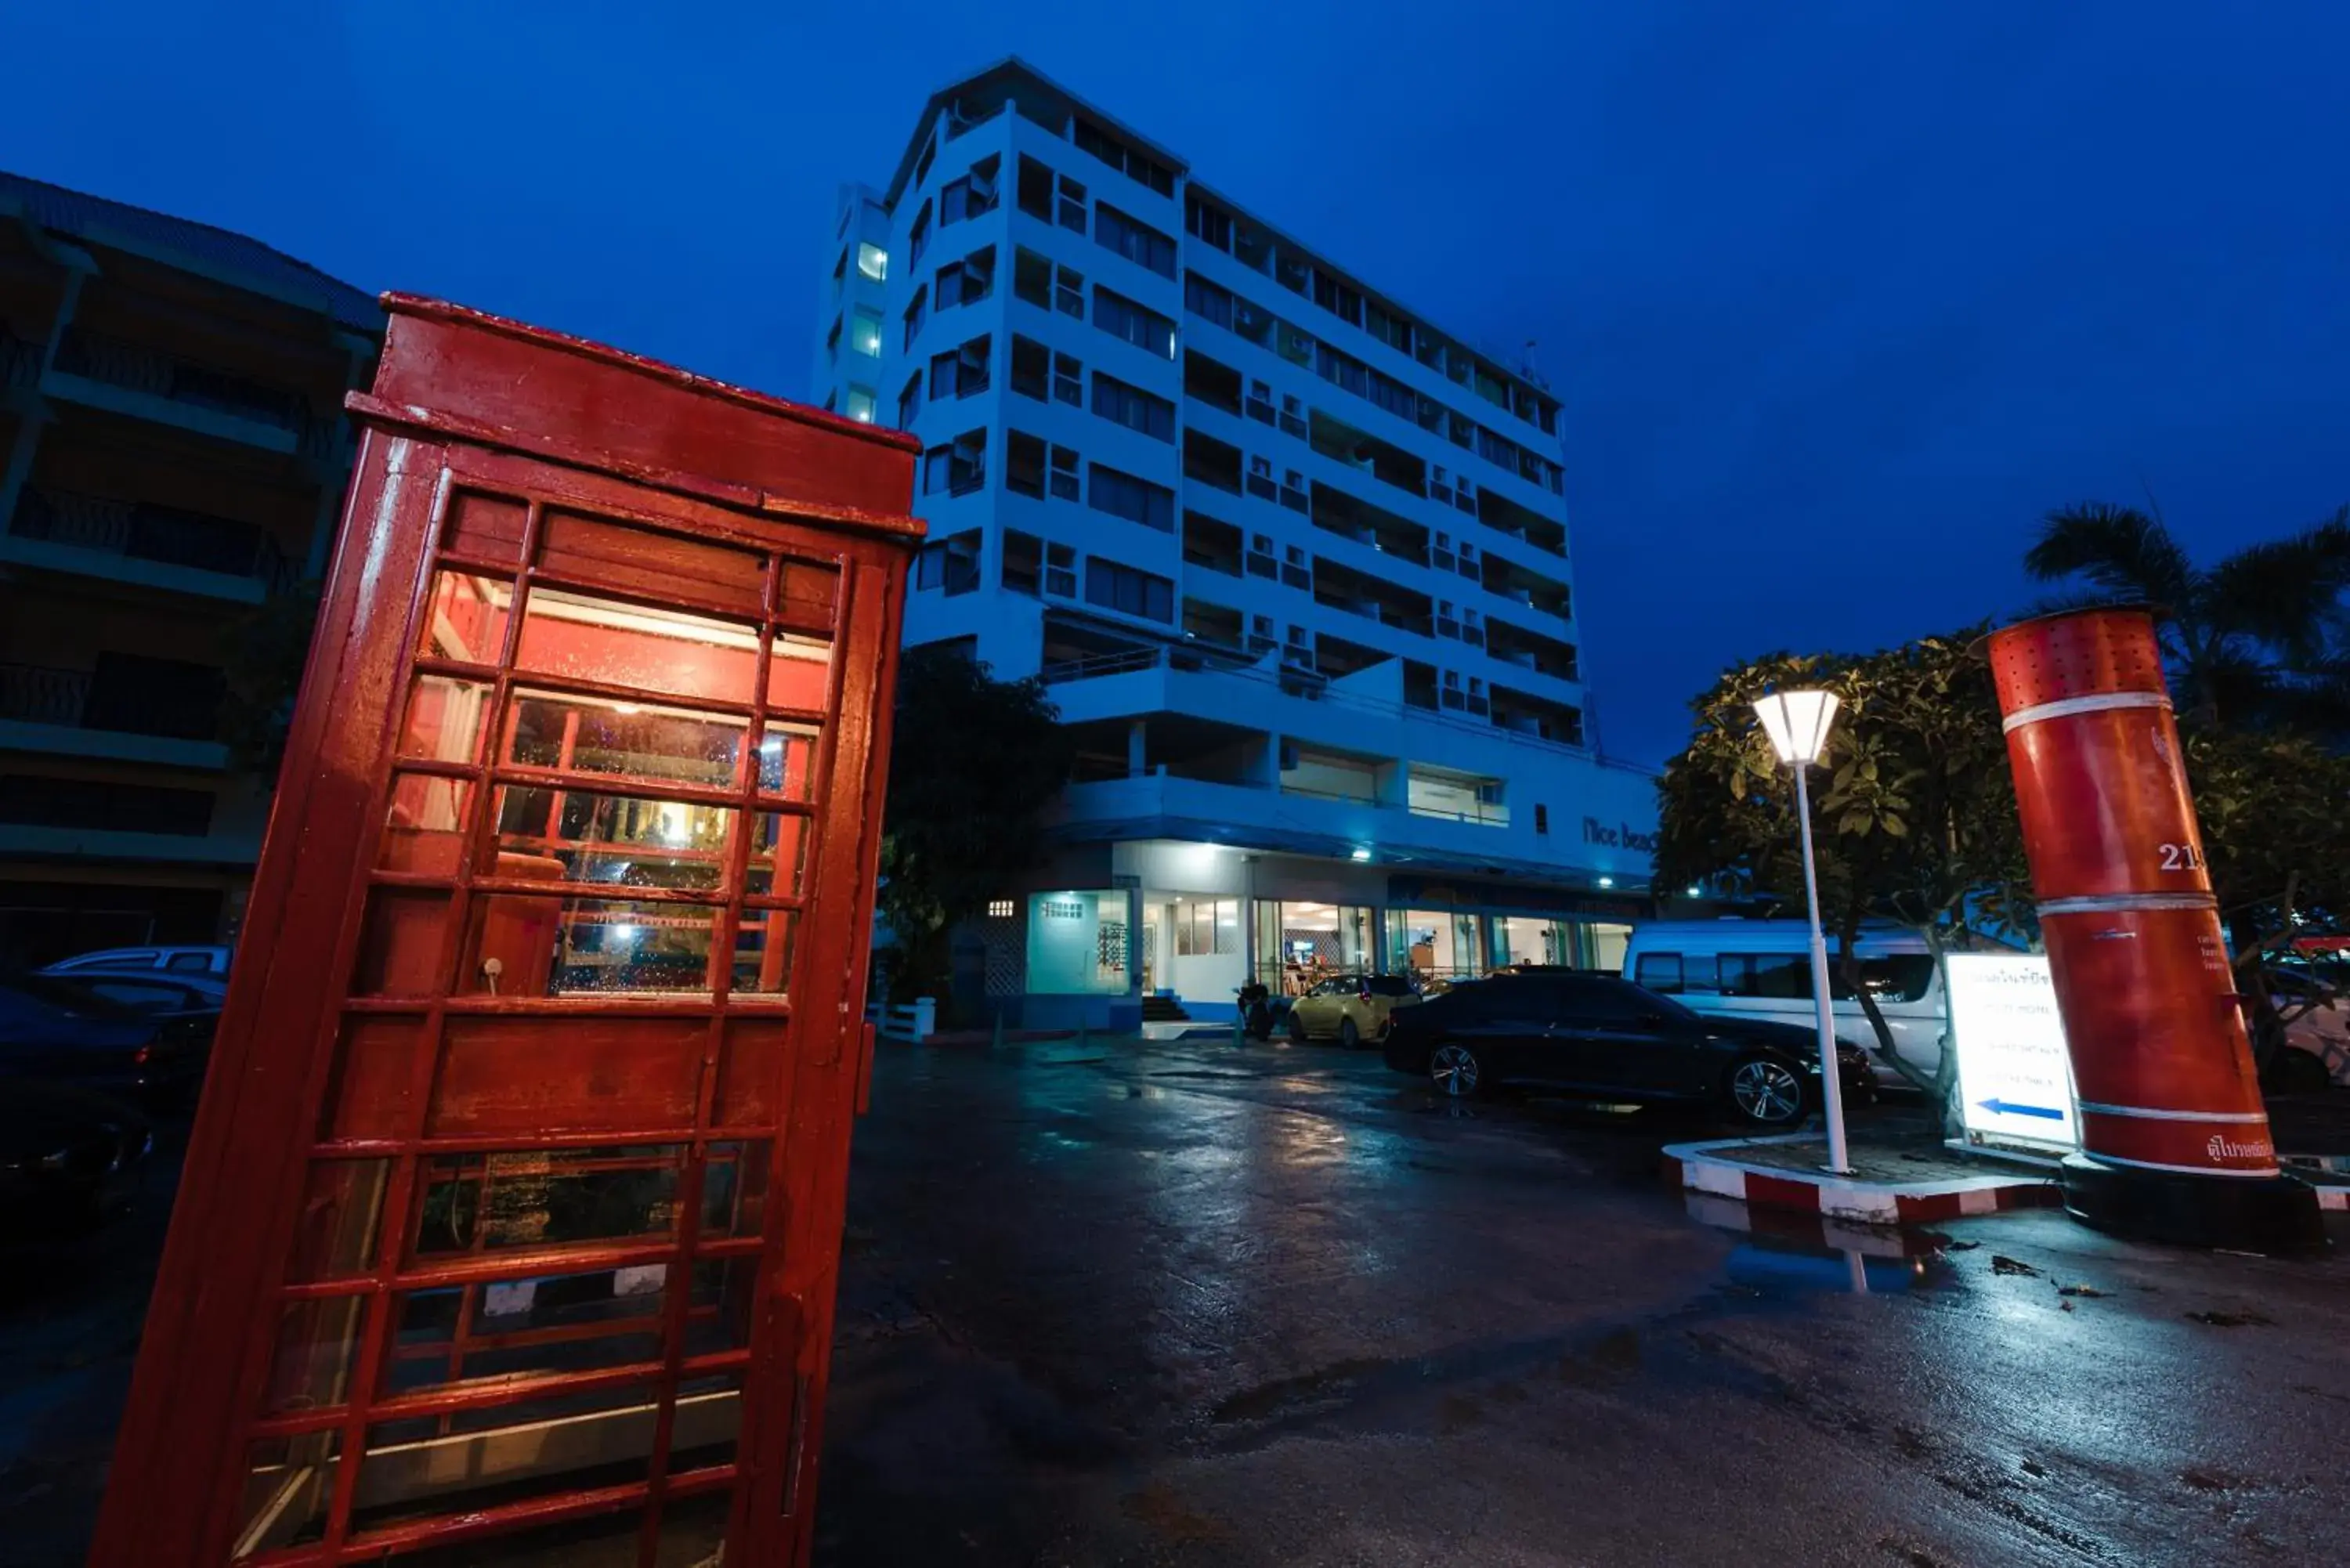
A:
<point x="1593" y="1034"/>
<point x="63" y="1031"/>
<point x="68" y="1159"/>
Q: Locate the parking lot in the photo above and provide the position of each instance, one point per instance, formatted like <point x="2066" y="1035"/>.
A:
<point x="1184" y="1303"/>
<point x="1119" y="1302"/>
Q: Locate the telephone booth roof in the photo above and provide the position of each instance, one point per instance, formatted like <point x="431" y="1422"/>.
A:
<point x="468" y="375"/>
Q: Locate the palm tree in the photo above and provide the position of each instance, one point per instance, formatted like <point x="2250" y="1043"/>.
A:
<point x="2260" y="637"/>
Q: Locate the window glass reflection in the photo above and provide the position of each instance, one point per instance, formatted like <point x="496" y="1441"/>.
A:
<point x="797" y="670"/>
<point x="763" y="953"/>
<point x="548" y="1325"/>
<point x="623" y="740"/>
<point x="443" y="721"/>
<point x="788" y="760"/>
<point x="465" y="618"/>
<point x="778" y="855"/>
<point x="581" y="637"/>
<point x="620" y="839"/>
<point x="546" y="1197"/>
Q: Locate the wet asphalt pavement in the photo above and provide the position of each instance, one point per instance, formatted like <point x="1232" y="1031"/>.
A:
<point x="1119" y="1303"/>
<point x="1123" y="1303"/>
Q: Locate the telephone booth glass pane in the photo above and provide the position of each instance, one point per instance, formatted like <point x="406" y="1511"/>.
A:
<point x="621" y="740"/>
<point x="517" y="1166"/>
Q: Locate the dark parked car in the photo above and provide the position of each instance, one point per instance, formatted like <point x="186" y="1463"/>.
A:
<point x="1594" y="1035"/>
<point x="68" y="1159"/>
<point x="150" y="991"/>
<point x="60" y="1031"/>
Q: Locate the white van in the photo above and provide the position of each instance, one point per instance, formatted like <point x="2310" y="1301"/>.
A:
<point x="1762" y="969"/>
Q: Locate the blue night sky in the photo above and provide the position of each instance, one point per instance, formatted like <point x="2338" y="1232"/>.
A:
<point x="1839" y="296"/>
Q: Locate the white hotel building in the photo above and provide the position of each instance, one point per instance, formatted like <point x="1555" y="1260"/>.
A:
<point x="1291" y="561"/>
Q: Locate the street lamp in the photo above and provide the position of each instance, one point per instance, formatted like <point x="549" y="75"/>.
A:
<point x="1798" y="723"/>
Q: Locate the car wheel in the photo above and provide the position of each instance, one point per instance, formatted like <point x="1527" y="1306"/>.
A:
<point x="1293" y="1026"/>
<point x="1348" y="1035"/>
<point x="1454" y="1071"/>
<point x="1767" y="1092"/>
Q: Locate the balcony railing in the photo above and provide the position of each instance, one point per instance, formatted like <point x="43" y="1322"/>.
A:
<point x="134" y="696"/>
<point x="137" y="368"/>
<point x="20" y="360"/>
<point x="1421" y="702"/>
<point x="141" y="531"/>
<point x="34" y="694"/>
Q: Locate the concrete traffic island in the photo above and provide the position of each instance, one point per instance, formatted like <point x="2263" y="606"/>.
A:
<point x="1896" y="1179"/>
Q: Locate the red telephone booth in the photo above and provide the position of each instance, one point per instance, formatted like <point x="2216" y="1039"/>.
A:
<point x="510" y="1216"/>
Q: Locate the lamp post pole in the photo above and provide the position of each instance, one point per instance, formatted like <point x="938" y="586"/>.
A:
<point x="1830" y="1076"/>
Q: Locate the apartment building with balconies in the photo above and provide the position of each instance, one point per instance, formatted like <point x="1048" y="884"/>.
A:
<point x="172" y="455"/>
<point x="1292" y="560"/>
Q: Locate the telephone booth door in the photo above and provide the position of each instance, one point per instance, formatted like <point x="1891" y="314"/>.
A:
<point x="509" y="1227"/>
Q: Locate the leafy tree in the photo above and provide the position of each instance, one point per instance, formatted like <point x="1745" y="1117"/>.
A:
<point x="1914" y="811"/>
<point x="2259" y="639"/>
<point x="262" y="652"/>
<point x="976" y="765"/>
<point x="2275" y="817"/>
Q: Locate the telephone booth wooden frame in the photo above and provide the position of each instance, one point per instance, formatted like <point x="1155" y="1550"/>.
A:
<point x="524" y="1149"/>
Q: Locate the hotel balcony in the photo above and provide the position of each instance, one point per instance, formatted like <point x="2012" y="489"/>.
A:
<point x="136" y="541"/>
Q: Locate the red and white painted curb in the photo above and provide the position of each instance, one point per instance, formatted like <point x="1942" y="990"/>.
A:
<point x="1714" y="1167"/>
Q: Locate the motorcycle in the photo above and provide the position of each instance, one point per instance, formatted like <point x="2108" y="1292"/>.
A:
<point x="1257" y="1010"/>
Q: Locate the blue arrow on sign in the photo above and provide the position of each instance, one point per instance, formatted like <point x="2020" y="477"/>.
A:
<point x="2008" y="1108"/>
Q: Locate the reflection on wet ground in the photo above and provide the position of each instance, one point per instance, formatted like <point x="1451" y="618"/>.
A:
<point x="1185" y="1304"/>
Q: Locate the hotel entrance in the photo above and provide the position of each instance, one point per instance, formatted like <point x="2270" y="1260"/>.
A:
<point x="1300" y="943"/>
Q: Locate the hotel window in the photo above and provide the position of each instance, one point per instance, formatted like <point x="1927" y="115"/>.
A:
<point x="1136" y="500"/>
<point x="872" y="261"/>
<point x="1073" y="204"/>
<point x="1023" y="463"/>
<point x="909" y="401"/>
<point x="1144" y="327"/>
<point x="1207" y="223"/>
<point x="1206" y="301"/>
<point x="949" y="565"/>
<point x="1032" y="278"/>
<point x="1035" y="192"/>
<point x="865" y="332"/>
<point x="971" y="195"/>
<point x="1061" y="570"/>
<point x="918" y="238"/>
<point x="1136" y="165"/>
<point x="1124" y="589"/>
<point x="1207" y="926"/>
<point x="957" y="468"/>
<point x="1070" y="291"/>
<point x="1068" y="380"/>
<point x="1032" y="368"/>
<point x="966" y="282"/>
<point x="1001" y="908"/>
<point x="960" y="371"/>
<point x="859" y="406"/>
<point x="1064" y="473"/>
<point x="1022" y="565"/>
<point x="916" y="309"/>
<point x="1133" y="408"/>
<point x="1137" y="242"/>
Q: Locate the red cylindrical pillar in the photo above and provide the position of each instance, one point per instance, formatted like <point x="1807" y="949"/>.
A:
<point x="2174" y="1133"/>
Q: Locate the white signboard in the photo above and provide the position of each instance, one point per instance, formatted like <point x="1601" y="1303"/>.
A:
<point x="2015" y="1078"/>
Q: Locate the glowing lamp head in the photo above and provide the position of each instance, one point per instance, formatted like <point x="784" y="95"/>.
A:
<point x="1798" y="723"/>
